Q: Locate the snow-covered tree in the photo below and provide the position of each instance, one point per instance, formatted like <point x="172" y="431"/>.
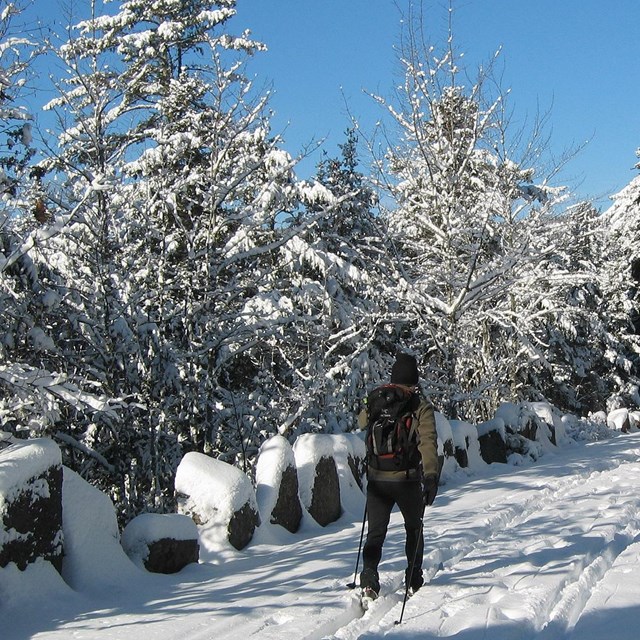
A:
<point x="16" y="151"/>
<point x="469" y="207"/>
<point x="559" y="304"/>
<point x="620" y="312"/>
<point x="36" y="387"/>
<point x="340" y="279"/>
<point x="182" y="219"/>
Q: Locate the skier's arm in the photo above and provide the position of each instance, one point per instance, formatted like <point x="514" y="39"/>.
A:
<point x="428" y="439"/>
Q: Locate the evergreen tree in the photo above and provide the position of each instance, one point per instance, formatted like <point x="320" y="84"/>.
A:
<point x="340" y="278"/>
<point x="620" y="312"/>
<point x="181" y="208"/>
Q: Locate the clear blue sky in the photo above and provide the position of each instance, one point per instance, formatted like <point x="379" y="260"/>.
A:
<point x="578" y="58"/>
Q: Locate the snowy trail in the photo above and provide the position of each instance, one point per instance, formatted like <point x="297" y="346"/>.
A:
<point x="549" y="551"/>
<point x="523" y="560"/>
<point x="533" y="573"/>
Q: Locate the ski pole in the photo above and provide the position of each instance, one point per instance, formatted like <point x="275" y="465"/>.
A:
<point x="352" y="585"/>
<point x="413" y="564"/>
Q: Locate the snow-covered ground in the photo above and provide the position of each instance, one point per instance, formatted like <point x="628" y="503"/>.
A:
<point x="547" y="550"/>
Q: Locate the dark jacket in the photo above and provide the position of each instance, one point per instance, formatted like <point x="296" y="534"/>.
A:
<point x="427" y="442"/>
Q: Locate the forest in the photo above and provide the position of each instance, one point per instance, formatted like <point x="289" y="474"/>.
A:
<point x="169" y="284"/>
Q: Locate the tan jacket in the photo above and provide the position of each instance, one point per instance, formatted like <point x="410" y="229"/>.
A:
<point x="427" y="444"/>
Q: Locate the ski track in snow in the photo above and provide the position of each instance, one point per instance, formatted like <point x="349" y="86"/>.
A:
<point x="481" y="569"/>
<point x="481" y="572"/>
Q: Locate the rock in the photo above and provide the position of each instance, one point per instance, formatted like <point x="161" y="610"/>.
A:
<point x="318" y="476"/>
<point x="493" y="441"/>
<point x="31" y="503"/>
<point x="219" y="498"/>
<point x="325" y="502"/>
<point x="161" y="543"/>
<point x="287" y="511"/>
<point x="277" y="484"/>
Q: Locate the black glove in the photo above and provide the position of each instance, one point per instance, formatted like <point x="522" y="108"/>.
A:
<point x="429" y="490"/>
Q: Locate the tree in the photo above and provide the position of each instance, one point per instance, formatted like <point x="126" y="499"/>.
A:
<point x="468" y="215"/>
<point x="620" y="312"/>
<point x="36" y="387"/>
<point x="181" y="208"/>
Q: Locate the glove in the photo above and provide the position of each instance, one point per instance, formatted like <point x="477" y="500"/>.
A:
<point x="429" y="490"/>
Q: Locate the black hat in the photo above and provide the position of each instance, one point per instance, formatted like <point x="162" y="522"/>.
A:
<point x="405" y="370"/>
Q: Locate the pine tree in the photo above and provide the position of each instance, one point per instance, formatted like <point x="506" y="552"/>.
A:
<point x="620" y="312"/>
<point x="181" y="208"/>
<point x="340" y="278"/>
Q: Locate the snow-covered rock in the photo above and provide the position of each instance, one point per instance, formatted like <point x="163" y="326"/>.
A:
<point x="492" y="440"/>
<point x="221" y="500"/>
<point x="318" y="477"/>
<point x="446" y="448"/>
<point x="349" y="453"/>
<point x="31" y="503"/>
<point x="467" y="447"/>
<point x="161" y="543"/>
<point x="277" y="484"/>
<point x="619" y="420"/>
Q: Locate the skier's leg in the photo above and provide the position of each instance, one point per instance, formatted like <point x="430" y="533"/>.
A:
<point x="379" y="506"/>
<point x="411" y="506"/>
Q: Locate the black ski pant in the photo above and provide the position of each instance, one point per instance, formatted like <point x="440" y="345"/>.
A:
<point x="381" y="498"/>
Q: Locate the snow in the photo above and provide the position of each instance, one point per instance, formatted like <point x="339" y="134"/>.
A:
<point x="549" y="550"/>
<point x="20" y="463"/>
<point x="211" y="491"/>
<point x="94" y="560"/>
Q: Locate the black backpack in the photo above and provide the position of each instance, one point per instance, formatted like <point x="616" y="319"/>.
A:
<point x="392" y="438"/>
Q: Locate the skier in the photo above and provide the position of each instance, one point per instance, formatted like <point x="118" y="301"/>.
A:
<point x="410" y="488"/>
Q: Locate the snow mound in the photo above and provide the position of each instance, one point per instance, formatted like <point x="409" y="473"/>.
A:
<point x="93" y="557"/>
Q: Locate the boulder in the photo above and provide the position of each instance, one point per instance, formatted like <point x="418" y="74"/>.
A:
<point x="219" y="498"/>
<point x="349" y="452"/>
<point x="318" y="476"/>
<point x="492" y="440"/>
<point x="161" y="543"/>
<point x="467" y="446"/>
<point x="277" y="484"/>
<point x="31" y="503"/>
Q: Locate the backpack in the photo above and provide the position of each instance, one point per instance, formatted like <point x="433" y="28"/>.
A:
<point x="392" y="438"/>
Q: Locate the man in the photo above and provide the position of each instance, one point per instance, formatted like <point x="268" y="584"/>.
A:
<point x="411" y="488"/>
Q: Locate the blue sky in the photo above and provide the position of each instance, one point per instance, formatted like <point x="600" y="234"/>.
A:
<point x="580" y="59"/>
